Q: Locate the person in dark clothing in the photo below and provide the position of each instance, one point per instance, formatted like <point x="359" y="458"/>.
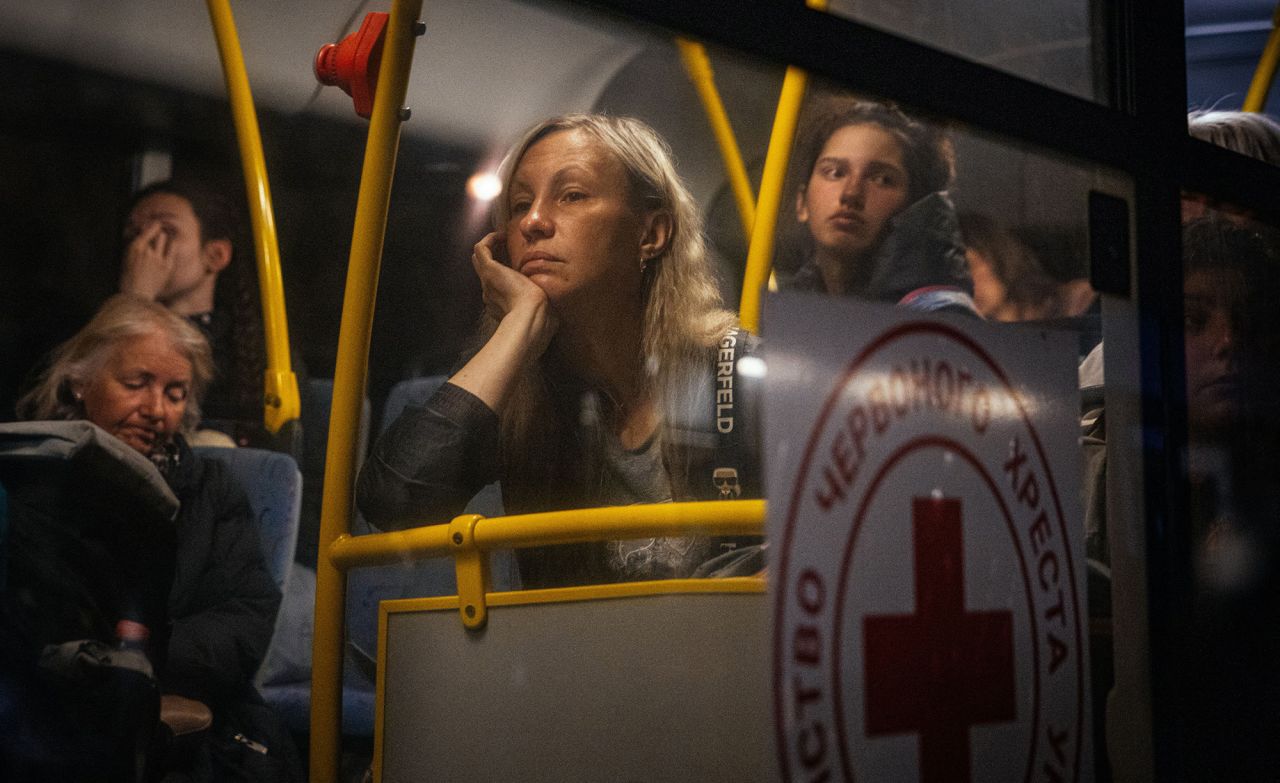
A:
<point x="185" y="248"/>
<point x="873" y="207"/>
<point x="604" y="356"/>
<point x="137" y="371"/>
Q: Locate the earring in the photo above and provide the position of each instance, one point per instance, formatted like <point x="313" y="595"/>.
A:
<point x="78" y="395"/>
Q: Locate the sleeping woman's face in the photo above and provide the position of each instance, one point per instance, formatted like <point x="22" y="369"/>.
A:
<point x="858" y="184"/>
<point x="140" y="393"/>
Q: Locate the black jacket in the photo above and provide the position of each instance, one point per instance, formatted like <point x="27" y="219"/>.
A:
<point x="223" y="602"/>
<point x="920" y="264"/>
<point x="434" y="458"/>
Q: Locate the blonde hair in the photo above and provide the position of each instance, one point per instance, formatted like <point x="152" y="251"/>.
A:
<point x="121" y="318"/>
<point x="683" y="312"/>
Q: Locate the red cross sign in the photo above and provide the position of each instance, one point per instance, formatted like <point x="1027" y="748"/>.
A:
<point x="943" y="669"/>
<point x="928" y="571"/>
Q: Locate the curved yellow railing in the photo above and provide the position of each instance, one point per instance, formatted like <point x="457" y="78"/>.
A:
<point x="350" y="376"/>
<point x="281" y="404"/>
<point x="1260" y="87"/>
<point x="760" y="253"/>
<point x="698" y="66"/>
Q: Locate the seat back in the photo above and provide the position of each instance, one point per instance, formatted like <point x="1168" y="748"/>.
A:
<point x="416" y="391"/>
<point x="647" y="681"/>
<point x="317" y="403"/>
<point x="274" y="486"/>
<point x="411" y="391"/>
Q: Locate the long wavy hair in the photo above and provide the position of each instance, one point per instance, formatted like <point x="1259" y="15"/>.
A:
<point x="683" y="311"/>
<point x="120" y="319"/>
<point x="237" y="291"/>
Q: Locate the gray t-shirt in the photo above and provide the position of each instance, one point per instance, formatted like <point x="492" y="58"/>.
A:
<point x="632" y="476"/>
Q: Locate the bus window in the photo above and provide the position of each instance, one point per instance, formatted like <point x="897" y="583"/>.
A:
<point x="1231" y="277"/>
<point x="1056" y="44"/>
<point x="1227" y="64"/>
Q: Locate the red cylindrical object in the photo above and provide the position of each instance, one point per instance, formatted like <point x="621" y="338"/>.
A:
<point x="352" y="64"/>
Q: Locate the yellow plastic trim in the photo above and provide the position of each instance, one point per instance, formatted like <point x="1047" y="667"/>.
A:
<point x="555" y="595"/>
<point x="470" y="567"/>
<point x="379" y="688"/>
<point x="349" y="384"/>
<point x="1256" y="99"/>
<point x="760" y="253"/>
<point x="698" y="66"/>
<point x="281" y="403"/>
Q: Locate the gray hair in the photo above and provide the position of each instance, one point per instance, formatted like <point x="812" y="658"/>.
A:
<point x="79" y="359"/>
<point x="1248" y="133"/>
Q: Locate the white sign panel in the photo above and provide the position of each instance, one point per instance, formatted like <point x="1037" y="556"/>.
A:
<point x="928" y="559"/>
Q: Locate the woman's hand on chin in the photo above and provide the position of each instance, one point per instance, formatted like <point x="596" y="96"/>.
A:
<point x="526" y="324"/>
<point x="507" y="292"/>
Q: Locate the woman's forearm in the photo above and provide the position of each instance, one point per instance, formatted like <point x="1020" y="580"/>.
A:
<point x="521" y="338"/>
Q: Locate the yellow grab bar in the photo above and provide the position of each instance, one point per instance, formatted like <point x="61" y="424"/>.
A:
<point x="713" y="518"/>
<point x="698" y="66"/>
<point x="280" y="398"/>
<point x="350" y="376"/>
<point x="1256" y="99"/>
<point x="470" y="536"/>
<point x="760" y="254"/>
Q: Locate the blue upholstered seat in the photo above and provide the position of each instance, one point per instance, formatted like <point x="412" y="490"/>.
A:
<point x="274" y="486"/>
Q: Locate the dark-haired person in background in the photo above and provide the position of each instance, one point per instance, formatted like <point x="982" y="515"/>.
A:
<point x="877" y="221"/>
<point x="185" y="248"/>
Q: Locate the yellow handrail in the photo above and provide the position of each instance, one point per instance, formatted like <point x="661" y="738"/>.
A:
<point x="760" y="254"/>
<point x="350" y="376"/>
<point x="698" y="66"/>
<point x="712" y="518"/>
<point x="280" y="398"/>
<point x="1256" y="99"/>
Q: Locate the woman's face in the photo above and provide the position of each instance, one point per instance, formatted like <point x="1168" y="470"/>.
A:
<point x="140" y="393"/>
<point x="573" y="229"/>
<point x="182" y="240"/>
<point x="1212" y="305"/>
<point x="857" y="185"/>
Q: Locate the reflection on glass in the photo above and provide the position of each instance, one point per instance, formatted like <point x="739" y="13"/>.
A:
<point x="872" y="213"/>
<point x="1231" y="283"/>
<point x="891" y="207"/>
<point x="1049" y="42"/>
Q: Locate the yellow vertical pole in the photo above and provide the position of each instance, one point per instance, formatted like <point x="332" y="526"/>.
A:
<point x="698" y="66"/>
<point x="760" y="254"/>
<point x="1256" y="99"/>
<point x="350" y="376"/>
<point x="281" y="402"/>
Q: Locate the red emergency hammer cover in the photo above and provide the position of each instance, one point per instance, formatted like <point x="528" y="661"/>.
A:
<point x="353" y="63"/>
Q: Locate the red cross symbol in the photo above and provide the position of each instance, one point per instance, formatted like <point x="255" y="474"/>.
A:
<point x="943" y="669"/>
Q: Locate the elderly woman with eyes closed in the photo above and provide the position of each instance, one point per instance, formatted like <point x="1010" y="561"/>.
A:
<point x="872" y="209"/>
<point x="137" y="370"/>
<point x="595" y="380"/>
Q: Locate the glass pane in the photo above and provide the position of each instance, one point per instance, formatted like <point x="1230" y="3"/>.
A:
<point x="1224" y="43"/>
<point x="1231" y="266"/>
<point x="1055" y="43"/>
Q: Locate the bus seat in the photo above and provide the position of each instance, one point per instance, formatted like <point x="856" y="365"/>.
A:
<point x="317" y="401"/>
<point x="274" y="486"/>
<point x="410" y="391"/>
<point x="646" y="681"/>
<point x="416" y="391"/>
